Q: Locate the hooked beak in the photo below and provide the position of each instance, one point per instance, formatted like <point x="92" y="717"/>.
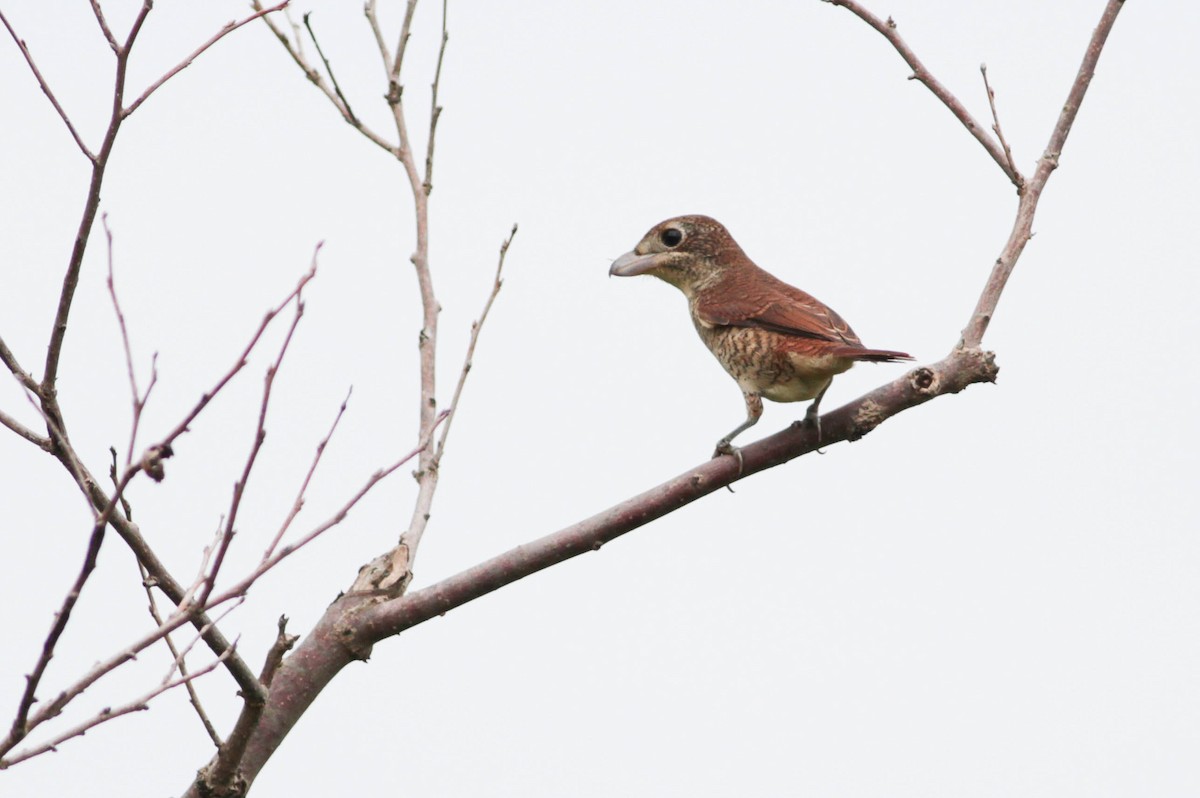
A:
<point x="632" y="263"/>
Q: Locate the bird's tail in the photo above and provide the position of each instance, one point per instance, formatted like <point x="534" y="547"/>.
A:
<point x="872" y="355"/>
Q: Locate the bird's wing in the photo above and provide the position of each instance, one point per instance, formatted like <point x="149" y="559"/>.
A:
<point x="772" y="304"/>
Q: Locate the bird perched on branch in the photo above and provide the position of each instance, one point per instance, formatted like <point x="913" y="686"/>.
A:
<point x="775" y="340"/>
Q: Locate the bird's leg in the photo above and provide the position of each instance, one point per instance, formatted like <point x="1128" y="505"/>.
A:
<point x="754" y="409"/>
<point x="812" y="417"/>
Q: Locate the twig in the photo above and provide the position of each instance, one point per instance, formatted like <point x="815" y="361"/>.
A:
<point x="298" y="504"/>
<point x="283" y="553"/>
<point x="58" y="333"/>
<point x="242" y="360"/>
<point x="107" y="31"/>
<point x="985" y="308"/>
<point x="21" y="726"/>
<point x="314" y="77"/>
<point x="45" y="87"/>
<point x="402" y="45"/>
<point x="227" y="29"/>
<point x="329" y="71"/>
<point x="24" y="377"/>
<point x="410" y="541"/>
<point x="137" y="398"/>
<point x="224" y="772"/>
<point x="282" y="645"/>
<point x="193" y="696"/>
<point x="469" y="358"/>
<point x="1008" y="156"/>
<point x="435" y="110"/>
<point x="888" y="31"/>
<point x="260" y="435"/>
<point x="25" y="432"/>
<point x="107" y="714"/>
<point x="377" y="33"/>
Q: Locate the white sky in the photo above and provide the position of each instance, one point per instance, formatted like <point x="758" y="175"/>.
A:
<point x="997" y="593"/>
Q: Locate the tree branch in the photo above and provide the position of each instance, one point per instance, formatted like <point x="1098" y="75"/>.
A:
<point x="227" y="29"/>
<point x="1022" y="230"/>
<point x="358" y="620"/>
<point x="887" y="29"/>
<point x="45" y="87"/>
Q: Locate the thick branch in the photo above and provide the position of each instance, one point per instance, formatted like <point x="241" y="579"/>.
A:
<point x="353" y="623"/>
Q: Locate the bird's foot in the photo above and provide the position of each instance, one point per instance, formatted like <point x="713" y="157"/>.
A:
<point x="724" y="447"/>
<point x="813" y="421"/>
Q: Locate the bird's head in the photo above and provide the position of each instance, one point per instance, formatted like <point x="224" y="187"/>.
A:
<point x="689" y="252"/>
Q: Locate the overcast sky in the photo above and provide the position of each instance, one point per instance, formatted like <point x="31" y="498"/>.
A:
<point x="995" y="594"/>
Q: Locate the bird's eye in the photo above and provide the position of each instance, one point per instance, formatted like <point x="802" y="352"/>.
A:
<point x="671" y="236"/>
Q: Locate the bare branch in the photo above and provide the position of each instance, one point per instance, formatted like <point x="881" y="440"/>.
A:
<point x="981" y="317"/>
<point x="314" y="77"/>
<point x="282" y="645"/>
<point x="137" y="399"/>
<point x="58" y="333"/>
<point x="21" y="725"/>
<point x="222" y="774"/>
<point x="260" y="435"/>
<point x="402" y="45"/>
<point x="279" y="556"/>
<point x="293" y="296"/>
<point x="107" y="31"/>
<point x="107" y="714"/>
<point x="469" y="358"/>
<point x="23" y="376"/>
<point x="329" y="71"/>
<point x="435" y="110"/>
<point x="25" y="432"/>
<point x="193" y="696"/>
<point x="1008" y="156"/>
<point x="45" y="87"/>
<point x="227" y="29"/>
<point x="298" y="504"/>
<point x="888" y="31"/>
<point x="377" y="32"/>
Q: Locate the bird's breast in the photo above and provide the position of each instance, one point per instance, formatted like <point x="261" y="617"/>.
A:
<point x="782" y="368"/>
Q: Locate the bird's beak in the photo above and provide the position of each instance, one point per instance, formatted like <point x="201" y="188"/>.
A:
<point x="632" y="263"/>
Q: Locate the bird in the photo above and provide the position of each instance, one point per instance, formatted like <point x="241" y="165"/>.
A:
<point x="776" y="341"/>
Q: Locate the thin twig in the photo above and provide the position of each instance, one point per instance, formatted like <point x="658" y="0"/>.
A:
<point x="888" y="31"/>
<point x="297" y="54"/>
<point x="227" y="29"/>
<point x="24" y="377"/>
<point x="1022" y="230"/>
<point x="298" y="504"/>
<point x="242" y="360"/>
<point x="107" y="714"/>
<point x="340" y="515"/>
<point x="20" y="725"/>
<point x="193" y="696"/>
<point x="329" y="71"/>
<point x="45" y="87"/>
<point x="435" y="110"/>
<point x="107" y="31"/>
<point x="260" y="435"/>
<point x="25" y="432"/>
<point x="1008" y="156"/>
<point x="470" y="356"/>
<point x="377" y="33"/>
<point x="402" y="45"/>
<point x="137" y="399"/>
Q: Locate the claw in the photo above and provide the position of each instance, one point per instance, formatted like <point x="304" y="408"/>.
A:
<point x="724" y="447"/>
